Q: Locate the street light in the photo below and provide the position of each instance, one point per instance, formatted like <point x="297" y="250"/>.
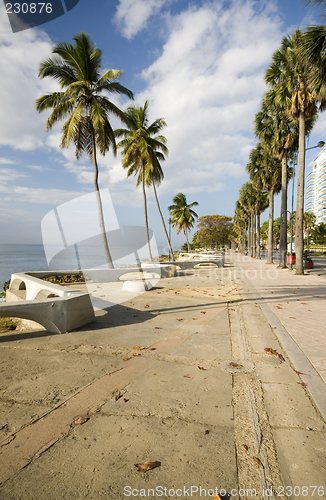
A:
<point x="319" y="145"/>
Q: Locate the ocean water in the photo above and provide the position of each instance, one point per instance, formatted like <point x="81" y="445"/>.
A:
<point x="20" y="258"/>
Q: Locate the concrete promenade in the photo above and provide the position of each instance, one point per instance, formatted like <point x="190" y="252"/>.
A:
<point x="299" y="302"/>
<point x="197" y="375"/>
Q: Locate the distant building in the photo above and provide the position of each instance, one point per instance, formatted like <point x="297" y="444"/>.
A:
<point x="316" y="187"/>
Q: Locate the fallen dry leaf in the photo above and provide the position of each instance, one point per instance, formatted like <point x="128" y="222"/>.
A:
<point x="304" y="384"/>
<point x="126" y="359"/>
<point x="125" y="400"/>
<point x="158" y="328"/>
<point x="179" y="319"/>
<point x="147" y="305"/>
<point x="216" y="497"/>
<point x="201" y="368"/>
<point x="305" y="303"/>
<point x="187" y="376"/>
<point x="245" y="447"/>
<point x="152" y="349"/>
<point x="292" y="317"/>
<point x="118" y="396"/>
<point x="80" y="420"/>
<point x="137" y="347"/>
<point x="255" y="459"/>
<point x="136" y="354"/>
<point x="203" y="312"/>
<point x="147" y="466"/>
<point x="236" y="365"/>
<point x="299" y="373"/>
<point x="279" y="307"/>
<point x="207" y="431"/>
<point x="272" y="351"/>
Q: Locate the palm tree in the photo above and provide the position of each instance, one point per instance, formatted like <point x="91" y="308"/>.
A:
<point x="278" y="133"/>
<point x="142" y="149"/>
<point x="289" y="74"/>
<point x="265" y="171"/>
<point x="182" y="216"/>
<point x="154" y="177"/>
<point x="309" y="222"/>
<point x="77" y="69"/>
<point x="239" y="226"/>
<point x="313" y="48"/>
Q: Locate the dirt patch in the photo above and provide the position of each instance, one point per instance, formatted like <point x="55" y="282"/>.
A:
<point x="7" y="325"/>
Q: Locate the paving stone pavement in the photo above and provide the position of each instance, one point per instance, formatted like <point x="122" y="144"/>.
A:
<point x="299" y="302"/>
<point x="180" y="376"/>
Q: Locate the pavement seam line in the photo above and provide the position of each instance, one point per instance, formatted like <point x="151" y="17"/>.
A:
<point x="255" y="429"/>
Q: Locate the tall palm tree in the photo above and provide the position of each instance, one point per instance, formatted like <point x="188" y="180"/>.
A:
<point x="289" y="74"/>
<point x="239" y="226"/>
<point x="182" y="215"/>
<point x="82" y="104"/>
<point x="279" y="134"/>
<point x="265" y="171"/>
<point x="142" y="149"/>
<point x="154" y="177"/>
<point x="314" y="50"/>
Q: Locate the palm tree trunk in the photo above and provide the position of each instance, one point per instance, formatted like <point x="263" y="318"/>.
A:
<point x="107" y="253"/>
<point x="145" y="214"/>
<point x="249" y="234"/>
<point x="258" y="235"/>
<point x="270" y="227"/>
<point x="185" y="231"/>
<point x="283" y="226"/>
<point x="253" y="234"/>
<point x="300" y="198"/>
<point x="164" y="227"/>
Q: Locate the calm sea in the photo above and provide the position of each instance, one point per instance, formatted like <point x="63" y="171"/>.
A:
<point x="20" y="258"/>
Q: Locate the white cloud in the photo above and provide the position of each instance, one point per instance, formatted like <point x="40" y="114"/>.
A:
<point x="21" y="53"/>
<point x="6" y="161"/>
<point x="8" y="175"/>
<point x="208" y="84"/>
<point x="132" y="15"/>
<point x="38" y="196"/>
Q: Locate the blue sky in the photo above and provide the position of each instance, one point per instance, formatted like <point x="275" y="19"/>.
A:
<point x="200" y="65"/>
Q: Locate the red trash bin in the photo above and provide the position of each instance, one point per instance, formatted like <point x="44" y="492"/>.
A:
<point x="291" y="258"/>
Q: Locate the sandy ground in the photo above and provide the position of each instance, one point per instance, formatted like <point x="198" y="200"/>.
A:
<point x="178" y="375"/>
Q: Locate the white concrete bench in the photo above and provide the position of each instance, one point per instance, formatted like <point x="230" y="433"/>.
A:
<point x="190" y="264"/>
<point x="111" y="275"/>
<point x="53" y="306"/>
<point x="57" y="315"/>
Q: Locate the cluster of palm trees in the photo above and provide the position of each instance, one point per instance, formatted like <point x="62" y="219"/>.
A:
<point x="84" y="103"/>
<point x="296" y="79"/>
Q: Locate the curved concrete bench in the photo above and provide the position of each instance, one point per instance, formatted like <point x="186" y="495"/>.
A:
<point x="37" y="288"/>
<point x="55" y="307"/>
<point x="57" y="315"/>
<point x="111" y="275"/>
<point x="190" y="264"/>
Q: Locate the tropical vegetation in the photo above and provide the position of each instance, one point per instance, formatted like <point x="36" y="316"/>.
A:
<point x="143" y="148"/>
<point x="84" y="104"/>
<point x="182" y="215"/>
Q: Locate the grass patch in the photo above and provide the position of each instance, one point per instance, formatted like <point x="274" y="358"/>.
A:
<point x="7" y="325"/>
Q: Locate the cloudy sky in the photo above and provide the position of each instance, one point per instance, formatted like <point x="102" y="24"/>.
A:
<point x="200" y="64"/>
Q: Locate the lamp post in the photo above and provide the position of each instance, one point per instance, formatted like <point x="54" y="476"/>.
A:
<point x="319" y="145"/>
